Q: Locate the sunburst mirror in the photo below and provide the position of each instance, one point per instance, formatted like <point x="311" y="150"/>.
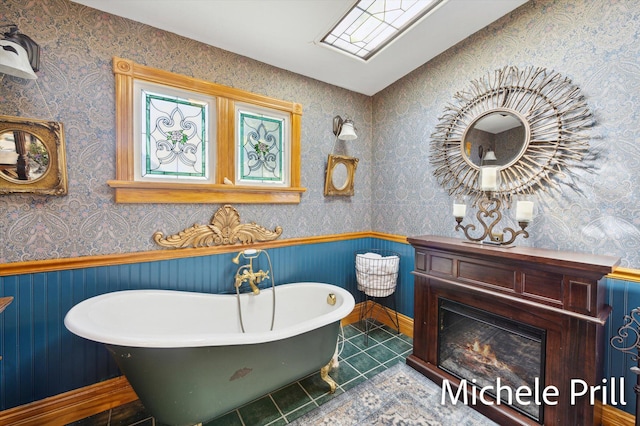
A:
<point x="530" y="123"/>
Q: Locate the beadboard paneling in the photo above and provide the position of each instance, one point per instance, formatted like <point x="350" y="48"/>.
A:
<point x="41" y="358"/>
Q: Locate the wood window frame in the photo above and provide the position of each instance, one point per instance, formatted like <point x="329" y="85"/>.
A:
<point x="129" y="190"/>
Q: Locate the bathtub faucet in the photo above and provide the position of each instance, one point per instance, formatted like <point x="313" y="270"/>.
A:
<point x="253" y="278"/>
<point x="245" y="272"/>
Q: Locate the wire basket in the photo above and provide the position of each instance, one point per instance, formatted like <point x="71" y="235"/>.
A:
<point x="377" y="272"/>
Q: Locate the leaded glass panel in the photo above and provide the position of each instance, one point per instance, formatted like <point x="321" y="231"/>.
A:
<point x="175" y="137"/>
<point x="262" y="145"/>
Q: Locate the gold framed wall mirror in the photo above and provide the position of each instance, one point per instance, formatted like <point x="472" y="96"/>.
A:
<point x="340" y="175"/>
<point x="32" y="156"/>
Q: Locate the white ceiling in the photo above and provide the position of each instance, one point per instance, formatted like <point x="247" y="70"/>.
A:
<point x="497" y="122"/>
<point x="286" y="33"/>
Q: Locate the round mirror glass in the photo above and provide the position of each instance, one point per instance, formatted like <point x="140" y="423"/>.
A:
<point x="339" y="176"/>
<point x="23" y="157"/>
<point x="496" y="138"/>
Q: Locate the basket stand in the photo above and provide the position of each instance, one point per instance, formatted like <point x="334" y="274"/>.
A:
<point x="377" y="280"/>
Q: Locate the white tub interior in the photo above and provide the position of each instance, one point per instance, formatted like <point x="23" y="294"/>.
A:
<point x="165" y="318"/>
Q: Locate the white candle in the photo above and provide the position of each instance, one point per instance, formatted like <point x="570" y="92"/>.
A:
<point x="524" y="211"/>
<point x="459" y="210"/>
<point x="489" y="178"/>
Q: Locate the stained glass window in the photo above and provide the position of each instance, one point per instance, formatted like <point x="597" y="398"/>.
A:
<point x="184" y="140"/>
<point x="262" y="148"/>
<point x="175" y="137"/>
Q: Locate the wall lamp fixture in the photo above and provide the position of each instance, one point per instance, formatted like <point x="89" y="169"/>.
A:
<point x="19" y="54"/>
<point x="344" y="129"/>
<point x="341" y="169"/>
<point x="488" y="155"/>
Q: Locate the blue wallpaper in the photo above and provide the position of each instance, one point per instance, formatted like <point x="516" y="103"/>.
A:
<point x="592" y="42"/>
<point x="76" y="87"/>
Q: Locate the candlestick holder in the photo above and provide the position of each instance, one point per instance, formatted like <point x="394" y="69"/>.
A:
<point x="489" y="215"/>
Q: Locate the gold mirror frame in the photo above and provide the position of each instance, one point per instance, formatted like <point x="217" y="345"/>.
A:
<point x="53" y="180"/>
<point x="554" y="112"/>
<point x="347" y="188"/>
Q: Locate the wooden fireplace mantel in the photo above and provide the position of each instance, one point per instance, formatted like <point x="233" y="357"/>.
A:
<point x="557" y="291"/>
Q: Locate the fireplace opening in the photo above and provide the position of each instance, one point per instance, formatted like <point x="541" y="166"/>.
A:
<point x="481" y="347"/>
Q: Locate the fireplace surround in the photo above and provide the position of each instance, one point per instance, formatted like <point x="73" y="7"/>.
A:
<point x="550" y="301"/>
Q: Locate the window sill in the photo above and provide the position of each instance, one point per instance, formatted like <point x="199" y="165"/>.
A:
<point x="180" y="193"/>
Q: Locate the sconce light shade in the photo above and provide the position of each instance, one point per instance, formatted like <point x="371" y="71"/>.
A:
<point x="490" y="155"/>
<point x="19" y="55"/>
<point x="344" y="129"/>
<point x="347" y="133"/>
<point x="14" y="60"/>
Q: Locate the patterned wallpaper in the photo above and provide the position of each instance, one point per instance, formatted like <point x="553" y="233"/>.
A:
<point x="593" y="42"/>
<point x="76" y="87"/>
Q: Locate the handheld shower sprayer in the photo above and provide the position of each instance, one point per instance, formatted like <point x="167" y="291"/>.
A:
<point x="245" y="273"/>
<point x="246" y="254"/>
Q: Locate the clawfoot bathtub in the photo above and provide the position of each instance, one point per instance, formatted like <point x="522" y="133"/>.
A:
<point x="186" y="357"/>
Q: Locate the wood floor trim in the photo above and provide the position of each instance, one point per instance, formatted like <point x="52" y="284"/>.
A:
<point x="71" y="406"/>
<point x="612" y="416"/>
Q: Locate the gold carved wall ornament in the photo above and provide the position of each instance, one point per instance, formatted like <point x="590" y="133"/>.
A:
<point x="225" y="229"/>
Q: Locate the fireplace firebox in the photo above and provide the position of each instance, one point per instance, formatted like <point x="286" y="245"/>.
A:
<point x="485" y="349"/>
<point x="499" y="319"/>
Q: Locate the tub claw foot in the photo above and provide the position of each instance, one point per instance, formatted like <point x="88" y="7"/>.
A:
<point x="324" y="374"/>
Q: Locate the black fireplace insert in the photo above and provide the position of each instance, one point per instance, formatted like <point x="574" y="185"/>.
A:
<point x="489" y="351"/>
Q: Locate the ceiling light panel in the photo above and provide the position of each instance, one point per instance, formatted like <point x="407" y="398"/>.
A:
<point x="372" y="24"/>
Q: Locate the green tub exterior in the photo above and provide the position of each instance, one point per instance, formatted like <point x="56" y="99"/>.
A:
<point x="186" y="386"/>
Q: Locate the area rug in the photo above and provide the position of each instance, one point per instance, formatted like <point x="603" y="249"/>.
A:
<point x="397" y="396"/>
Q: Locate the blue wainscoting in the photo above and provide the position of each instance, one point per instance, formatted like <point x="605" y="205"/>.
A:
<point x="41" y="358"/>
<point x="623" y="296"/>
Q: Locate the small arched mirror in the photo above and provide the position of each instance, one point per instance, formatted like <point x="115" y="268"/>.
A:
<point x="32" y="157"/>
<point x="340" y="175"/>
<point x="498" y="137"/>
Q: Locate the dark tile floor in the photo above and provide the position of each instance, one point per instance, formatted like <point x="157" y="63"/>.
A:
<point x="358" y="362"/>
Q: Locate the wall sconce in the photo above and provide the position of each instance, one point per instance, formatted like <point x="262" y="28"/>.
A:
<point x="344" y="129"/>
<point x="341" y="170"/>
<point x="489" y="214"/>
<point x="19" y="54"/>
<point x="489" y="155"/>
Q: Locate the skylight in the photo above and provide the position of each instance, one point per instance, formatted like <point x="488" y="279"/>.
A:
<point x="372" y="24"/>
